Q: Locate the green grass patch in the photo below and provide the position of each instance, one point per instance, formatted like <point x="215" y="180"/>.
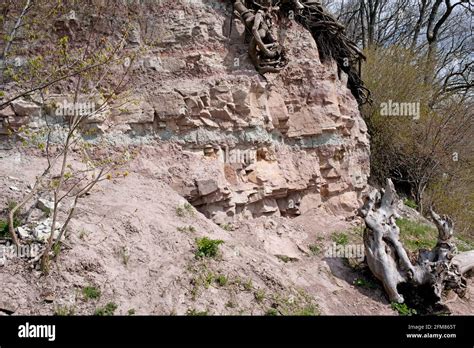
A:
<point x="309" y="310"/>
<point x="91" y="293"/>
<point x="3" y="228"/>
<point x="259" y="295"/>
<point x="286" y="258"/>
<point x="231" y="304"/>
<point x="186" y="229"/>
<point x="208" y="279"/>
<point x="297" y="303"/>
<point x="363" y="283"/>
<point x="315" y="249"/>
<point x="195" y="313"/>
<point x="415" y="235"/>
<point x="271" y="312"/>
<point x="340" y="238"/>
<point x="64" y="311"/>
<point x="107" y="310"/>
<point x="464" y="243"/>
<point x="403" y="309"/>
<point x="185" y="210"/>
<point x="4" y="233"/>
<point x="222" y="280"/>
<point x="227" y="227"/>
<point x="410" y="203"/>
<point x="248" y="285"/>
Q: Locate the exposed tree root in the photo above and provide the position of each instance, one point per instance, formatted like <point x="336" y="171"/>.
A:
<point x="268" y="55"/>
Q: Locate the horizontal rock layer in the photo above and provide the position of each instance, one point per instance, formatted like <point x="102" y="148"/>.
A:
<point x="279" y="144"/>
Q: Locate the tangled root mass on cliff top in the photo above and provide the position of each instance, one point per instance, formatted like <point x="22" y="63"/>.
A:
<point x="268" y="55"/>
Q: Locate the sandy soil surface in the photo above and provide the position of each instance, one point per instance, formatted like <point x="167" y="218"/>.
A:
<point x="127" y="240"/>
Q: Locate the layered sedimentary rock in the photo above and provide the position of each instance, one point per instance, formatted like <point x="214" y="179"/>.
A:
<point x="279" y="144"/>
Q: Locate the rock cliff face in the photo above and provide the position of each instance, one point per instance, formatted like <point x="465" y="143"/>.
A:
<point x="280" y="144"/>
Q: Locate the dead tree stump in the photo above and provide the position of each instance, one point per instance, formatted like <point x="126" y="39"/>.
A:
<point x="441" y="269"/>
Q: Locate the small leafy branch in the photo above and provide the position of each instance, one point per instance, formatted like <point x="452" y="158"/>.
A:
<point x="88" y="69"/>
<point x="207" y="247"/>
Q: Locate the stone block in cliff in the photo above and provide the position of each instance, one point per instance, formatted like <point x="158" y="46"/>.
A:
<point x="219" y="217"/>
<point x="223" y="196"/>
<point x="7" y="112"/>
<point x="309" y="202"/>
<point x="345" y="202"/>
<point x="311" y="121"/>
<point x="168" y="105"/>
<point x="346" y="124"/>
<point x="323" y="93"/>
<point x="290" y="205"/>
<point x="171" y="29"/>
<point x="187" y="190"/>
<point x="171" y="64"/>
<point x="303" y="123"/>
<point x="153" y="63"/>
<point x="331" y="173"/>
<point x="205" y="117"/>
<point x="7" y="115"/>
<point x="224" y="116"/>
<point x="270" y="176"/>
<point x="335" y="188"/>
<point x="93" y="108"/>
<point x="26" y="108"/>
<point x="220" y="96"/>
<point x="134" y="35"/>
<point x="194" y="105"/>
<point x="241" y="197"/>
<point x="268" y="205"/>
<point x="241" y="99"/>
<point x="206" y="187"/>
<point x="299" y="169"/>
<point x="138" y="112"/>
<point x="9" y="119"/>
<point x="278" y="110"/>
<point x="16" y="122"/>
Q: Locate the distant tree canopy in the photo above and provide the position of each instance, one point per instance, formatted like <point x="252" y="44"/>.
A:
<point x="419" y="52"/>
<point x="441" y="30"/>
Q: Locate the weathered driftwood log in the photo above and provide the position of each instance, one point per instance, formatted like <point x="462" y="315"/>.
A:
<point x="440" y="268"/>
